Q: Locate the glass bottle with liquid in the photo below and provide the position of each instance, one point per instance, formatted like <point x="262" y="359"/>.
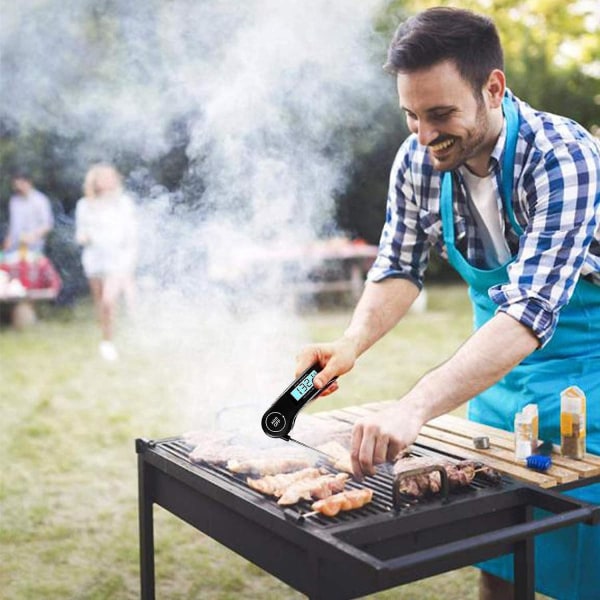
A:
<point x="531" y="411"/>
<point x="525" y="443"/>
<point x="572" y="422"/>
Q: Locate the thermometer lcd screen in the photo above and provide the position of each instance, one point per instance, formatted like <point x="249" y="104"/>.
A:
<point x="304" y="386"/>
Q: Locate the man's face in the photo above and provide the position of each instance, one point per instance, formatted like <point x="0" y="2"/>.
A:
<point x="443" y="112"/>
<point x="21" y="186"/>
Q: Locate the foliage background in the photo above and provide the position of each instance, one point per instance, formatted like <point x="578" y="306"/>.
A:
<point x="552" y="52"/>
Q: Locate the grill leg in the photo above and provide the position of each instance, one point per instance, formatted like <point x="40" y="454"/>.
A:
<point x="146" y="526"/>
<point x="320" y="589"/>
<point x="524" y="564"/>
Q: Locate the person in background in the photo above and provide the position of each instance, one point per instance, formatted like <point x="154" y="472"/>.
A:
<point x="510" y="196"/>
<point x="30" y="216"/>
<point x="106" y="228"/>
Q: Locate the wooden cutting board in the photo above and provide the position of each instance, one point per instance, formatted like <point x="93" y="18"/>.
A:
<point x="454" y="435"/>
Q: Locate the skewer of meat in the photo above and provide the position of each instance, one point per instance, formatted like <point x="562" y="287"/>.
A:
<point x="490" y="475"/>
<point x="347" y="500"/>
<point x="330" y="507"/>
<point x="321" y="487"/>
<point x="460" y="474"/>
<point x="275" y="485"/>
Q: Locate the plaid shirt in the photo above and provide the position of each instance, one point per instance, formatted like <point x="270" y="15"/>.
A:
<point x="556" y="201"/>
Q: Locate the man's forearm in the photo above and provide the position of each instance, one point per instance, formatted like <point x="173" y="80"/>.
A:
<point x="486" y="357"/>
<point x="380" y="308"/>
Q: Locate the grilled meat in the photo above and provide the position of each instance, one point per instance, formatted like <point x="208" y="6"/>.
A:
<point x="275" y="485"/>
<point x="490" y="475"/>
<point x="339" y="456"/>
<point x="242" y="452"/>
<point x="219" y="455"/>
<point x="270" y="465"/>
<point x="314" y="431"/>
<point x="307" y="489"/>
<point x="460" y="475"/>
<point x="418" y="486"/>
<point x="347" y="500"/>
<point x="409" y="463"/>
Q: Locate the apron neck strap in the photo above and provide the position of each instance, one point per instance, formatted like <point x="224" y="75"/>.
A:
<point x="508" y="169"/>
<point x="508" y="161"/>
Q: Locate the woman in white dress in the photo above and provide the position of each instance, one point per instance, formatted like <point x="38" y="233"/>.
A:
<point x="106" y="227"/>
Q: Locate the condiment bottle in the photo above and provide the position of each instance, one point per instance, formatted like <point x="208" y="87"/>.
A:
<point x="523" y="436"/>
<point x="572" y="422"/>
<point x="531" y="411"/>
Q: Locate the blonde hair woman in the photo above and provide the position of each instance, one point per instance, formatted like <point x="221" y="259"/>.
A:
<point x="106" y="227"/>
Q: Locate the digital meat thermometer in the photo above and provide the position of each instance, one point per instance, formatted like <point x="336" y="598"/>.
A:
<point x="278" y="421"/>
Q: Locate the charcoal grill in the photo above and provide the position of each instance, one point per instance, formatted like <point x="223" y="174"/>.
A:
<point x="359" y="552"/>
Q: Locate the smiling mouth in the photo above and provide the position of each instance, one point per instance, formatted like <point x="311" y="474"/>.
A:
<point x="442" y="145"/>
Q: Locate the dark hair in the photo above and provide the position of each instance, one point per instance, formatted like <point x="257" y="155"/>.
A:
<point x="469" y="40"/>
<point x="21" y="174"/>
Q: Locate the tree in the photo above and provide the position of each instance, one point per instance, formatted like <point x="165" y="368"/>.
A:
<point x="551" y="48"/>
<point x="552" y="60"/>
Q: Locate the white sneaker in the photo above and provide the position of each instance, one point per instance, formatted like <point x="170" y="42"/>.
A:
<point x="108" y="351"/>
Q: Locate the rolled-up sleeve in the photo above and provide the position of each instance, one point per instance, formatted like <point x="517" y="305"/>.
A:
<point x="403" y="247"/>
<point x="562" y="191"/>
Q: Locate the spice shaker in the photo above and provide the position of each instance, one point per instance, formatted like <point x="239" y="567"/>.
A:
<point x="531" y="410"/>
<point x="572" y="422"/>
<point x="524" y="444"/>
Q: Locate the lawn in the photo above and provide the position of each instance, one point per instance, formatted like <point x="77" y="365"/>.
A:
<point x="68" y="495"/>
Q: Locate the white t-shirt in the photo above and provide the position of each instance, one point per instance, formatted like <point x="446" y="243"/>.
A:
<point x="109" y="223"/>
<point x="484" y="204"/>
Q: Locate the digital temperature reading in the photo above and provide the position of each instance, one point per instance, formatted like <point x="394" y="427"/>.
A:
<point x="278" y="421"/>
<point x="304" y="386"/>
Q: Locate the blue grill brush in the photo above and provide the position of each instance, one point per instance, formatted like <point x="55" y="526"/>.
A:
<point x="539" y="462"/>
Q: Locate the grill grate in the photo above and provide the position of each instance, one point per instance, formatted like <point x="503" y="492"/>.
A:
<point x="381" y="483"/>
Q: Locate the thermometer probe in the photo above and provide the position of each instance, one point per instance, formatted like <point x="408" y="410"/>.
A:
<point x="278" y="421"/>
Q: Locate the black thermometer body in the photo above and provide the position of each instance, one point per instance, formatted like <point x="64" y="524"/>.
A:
<point x="278" y="421"/>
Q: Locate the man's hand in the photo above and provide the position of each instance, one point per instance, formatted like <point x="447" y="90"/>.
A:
<point x="380" y="307"/>
<point x="380" y="437"/>
<point x="336" y="358"/>
<point x="489" y="354"/>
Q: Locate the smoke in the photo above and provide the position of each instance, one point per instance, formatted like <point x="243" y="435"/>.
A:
<point x="265" y="97"/>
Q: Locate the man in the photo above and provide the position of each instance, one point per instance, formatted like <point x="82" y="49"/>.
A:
<point x="30" y="216"/>
<point x="511" y="196"/>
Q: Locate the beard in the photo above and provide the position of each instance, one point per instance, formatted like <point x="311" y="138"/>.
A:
<point x="464" y="148"/>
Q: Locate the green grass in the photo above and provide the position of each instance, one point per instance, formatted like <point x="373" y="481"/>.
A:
<point x="68" y="482"/>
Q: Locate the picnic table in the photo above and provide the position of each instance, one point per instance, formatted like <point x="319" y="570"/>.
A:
<point x="26" y="278"/>
<point x="323" y="266"/>
<point x="338" y="267"/>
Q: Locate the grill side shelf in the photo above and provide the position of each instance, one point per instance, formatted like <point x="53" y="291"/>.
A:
<point x="454" y="435"/>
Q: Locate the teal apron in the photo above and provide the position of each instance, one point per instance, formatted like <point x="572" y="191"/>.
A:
<point x="567" y="562"/>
